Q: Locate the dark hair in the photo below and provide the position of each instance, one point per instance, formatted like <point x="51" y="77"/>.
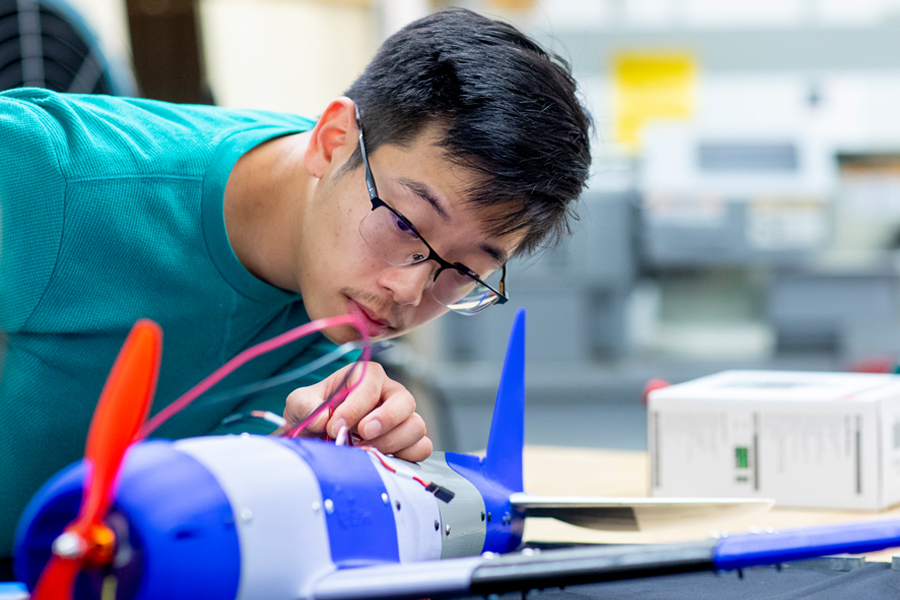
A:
<point x="507" y="108"/>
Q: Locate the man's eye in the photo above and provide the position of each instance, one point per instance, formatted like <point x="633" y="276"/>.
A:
<point x="402" y="226"/>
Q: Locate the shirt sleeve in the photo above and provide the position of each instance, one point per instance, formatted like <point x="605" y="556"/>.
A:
<point x="274" y="400"/>
<point x="32" y="202"/>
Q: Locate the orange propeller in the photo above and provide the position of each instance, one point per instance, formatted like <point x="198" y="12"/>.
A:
<point x="123" y="407"/>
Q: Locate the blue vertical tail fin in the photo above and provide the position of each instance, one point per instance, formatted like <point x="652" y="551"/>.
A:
<point x="503" y="462"/>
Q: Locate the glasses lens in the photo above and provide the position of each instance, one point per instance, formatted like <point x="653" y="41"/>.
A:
<point x="394" y="241"/>
<point x="463" y="294"/>
<point x="391" y="238"/>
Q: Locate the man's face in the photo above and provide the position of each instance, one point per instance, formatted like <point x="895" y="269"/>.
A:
<point x="338" y="273"/>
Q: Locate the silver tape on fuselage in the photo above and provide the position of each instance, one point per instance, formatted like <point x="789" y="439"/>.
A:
<point x="462" y="519"/>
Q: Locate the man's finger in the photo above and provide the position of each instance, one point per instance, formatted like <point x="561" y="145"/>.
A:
<point x="400" y="438"/>
<point x="417" y="452"/>
<point x="394" y="410"/>
<point x="370" y="392"/>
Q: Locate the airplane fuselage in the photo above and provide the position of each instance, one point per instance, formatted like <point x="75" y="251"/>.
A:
<point x="245" y="516"/>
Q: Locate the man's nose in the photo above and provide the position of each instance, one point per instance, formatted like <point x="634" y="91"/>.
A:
<point x="408" y="283"/>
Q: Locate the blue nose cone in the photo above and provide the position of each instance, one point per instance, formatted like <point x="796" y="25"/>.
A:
<point x="175" y="528"/>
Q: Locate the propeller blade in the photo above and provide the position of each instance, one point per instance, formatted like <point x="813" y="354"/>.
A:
<point x="122" y="409"/>
<point x="57" y="580"/>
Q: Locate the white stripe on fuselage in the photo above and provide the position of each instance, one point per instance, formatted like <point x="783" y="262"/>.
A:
<point x="278" y="510"/>
<point x="416" y="514"/>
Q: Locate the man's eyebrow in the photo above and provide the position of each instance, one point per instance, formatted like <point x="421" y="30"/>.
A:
<point x="424" y="192"/>
<point x="496" y="253"/>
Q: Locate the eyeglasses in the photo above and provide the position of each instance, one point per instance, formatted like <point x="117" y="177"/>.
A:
<point x="397" y="241"/>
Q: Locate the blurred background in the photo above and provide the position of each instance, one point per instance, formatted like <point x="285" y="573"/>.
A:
<point x="744" y="210"/>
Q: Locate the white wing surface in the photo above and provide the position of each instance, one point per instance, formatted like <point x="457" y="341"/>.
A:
<point x="638" y="514"/>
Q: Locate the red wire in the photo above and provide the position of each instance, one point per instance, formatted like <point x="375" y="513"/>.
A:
<point x="390" y="468"/>
<point x="330" y="414"/>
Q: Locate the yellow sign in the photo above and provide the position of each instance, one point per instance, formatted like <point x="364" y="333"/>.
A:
<point x="514" y="4"/>
<point x="649" y="86"/>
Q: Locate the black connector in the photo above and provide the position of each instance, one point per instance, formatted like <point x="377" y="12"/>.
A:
<point x="441" y="493"/>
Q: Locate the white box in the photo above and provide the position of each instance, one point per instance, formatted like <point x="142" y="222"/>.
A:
<point x="805" y="439"/>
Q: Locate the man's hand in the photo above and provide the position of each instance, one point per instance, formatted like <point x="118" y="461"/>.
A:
<point x="379" y="410"/>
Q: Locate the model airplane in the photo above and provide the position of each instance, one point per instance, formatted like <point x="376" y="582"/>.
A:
<point x="266" y="517"/>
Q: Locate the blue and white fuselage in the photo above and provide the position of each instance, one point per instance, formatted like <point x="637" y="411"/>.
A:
<point x="247" y="516"/>
<point x="250" y="516"/>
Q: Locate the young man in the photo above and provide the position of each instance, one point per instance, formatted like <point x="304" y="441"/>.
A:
<point x="461" y="145"/>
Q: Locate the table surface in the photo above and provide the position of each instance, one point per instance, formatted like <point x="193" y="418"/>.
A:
<point x="592" y="472"/>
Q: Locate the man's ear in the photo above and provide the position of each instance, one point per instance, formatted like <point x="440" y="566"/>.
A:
<point x="333" y="139"/>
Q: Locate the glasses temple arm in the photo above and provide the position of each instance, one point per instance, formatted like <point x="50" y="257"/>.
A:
<point x="370" y="179"/>
<point x="502" y="285"/>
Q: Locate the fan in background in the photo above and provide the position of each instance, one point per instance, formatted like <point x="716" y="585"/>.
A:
<point x="46" y="43"/>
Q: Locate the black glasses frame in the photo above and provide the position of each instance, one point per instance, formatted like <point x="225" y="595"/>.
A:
<point x="432" y="255"/>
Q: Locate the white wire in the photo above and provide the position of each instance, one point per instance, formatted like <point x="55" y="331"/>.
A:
<point x="399" y="470"/>
<point x="342" y="437"/>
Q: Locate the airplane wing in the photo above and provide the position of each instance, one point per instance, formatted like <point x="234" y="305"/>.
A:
<point x="638" y="514"/>
<point x="531" y="569"/>
<point x="526" y="570"/>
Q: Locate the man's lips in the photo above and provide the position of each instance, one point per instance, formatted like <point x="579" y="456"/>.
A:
<point x="374" y="326"/>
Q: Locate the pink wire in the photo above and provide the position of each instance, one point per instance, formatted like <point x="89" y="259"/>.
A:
<point x="335" y="399"/>
<point x="258" y="350"/>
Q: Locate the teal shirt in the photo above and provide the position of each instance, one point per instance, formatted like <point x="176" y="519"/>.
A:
<point x="111" y="210"/>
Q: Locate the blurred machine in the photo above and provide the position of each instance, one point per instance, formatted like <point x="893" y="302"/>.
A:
<point x="784" y="210"/>
<point x="720" y="198"/>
